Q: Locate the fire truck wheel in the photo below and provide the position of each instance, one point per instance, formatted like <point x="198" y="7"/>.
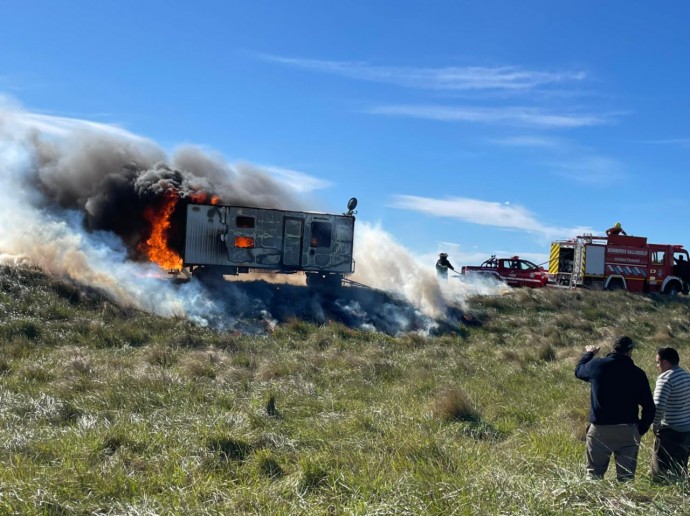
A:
<point x="672" y="289"/>
<point x="615" y="285"/>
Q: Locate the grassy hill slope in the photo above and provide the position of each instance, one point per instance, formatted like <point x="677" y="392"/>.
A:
<point x="105" y="409"/>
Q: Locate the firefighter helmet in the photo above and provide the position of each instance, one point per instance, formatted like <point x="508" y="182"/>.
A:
<point x="617" y="225"/>
<point x="443" y="255"/>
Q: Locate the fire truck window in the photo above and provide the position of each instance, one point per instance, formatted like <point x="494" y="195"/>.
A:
<point x="320" y="234"/>
<point x="244" y="222"/>
<point x="658" y="257"/>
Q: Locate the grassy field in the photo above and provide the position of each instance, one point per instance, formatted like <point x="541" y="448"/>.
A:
<point x="107" y="410"/>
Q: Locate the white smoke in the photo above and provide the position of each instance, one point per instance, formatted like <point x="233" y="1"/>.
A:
<point x="383" y="263"/>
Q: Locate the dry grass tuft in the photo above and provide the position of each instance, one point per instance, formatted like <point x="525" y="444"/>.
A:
<point x="161" y="355"/>
<point x="413" y="341"/>
<point x="453" y="404"/>
<point x="546" y="353"/>
<point x="268" y="466"/>
<point x="271" y="369"/>
<point x="664" y="335"/>
<point x="228" y="448"/>
<point x="510" y="355"/>
<point x="313" y="476"/>
<point x="200" y="365"/>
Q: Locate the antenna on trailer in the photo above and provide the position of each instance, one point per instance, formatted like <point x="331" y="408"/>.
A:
<point x="351" y="205"/>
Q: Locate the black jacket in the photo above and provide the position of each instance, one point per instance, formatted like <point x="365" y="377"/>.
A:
<point x="618" y="388"/>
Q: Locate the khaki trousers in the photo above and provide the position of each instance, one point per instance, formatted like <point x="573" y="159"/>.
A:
<point x="621" y="440"/>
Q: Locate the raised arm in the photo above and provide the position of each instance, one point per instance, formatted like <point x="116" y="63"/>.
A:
<point x="581" y="369"/>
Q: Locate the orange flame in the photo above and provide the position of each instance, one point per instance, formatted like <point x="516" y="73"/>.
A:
<point x="245" y="242"/>
<point x="156" y="246"/>
<point x="203" y="198"/>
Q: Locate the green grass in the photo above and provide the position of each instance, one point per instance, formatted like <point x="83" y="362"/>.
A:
<point x="108" y="410"/>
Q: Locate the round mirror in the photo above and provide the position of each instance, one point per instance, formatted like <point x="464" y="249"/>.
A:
<point x="352" y="204"/>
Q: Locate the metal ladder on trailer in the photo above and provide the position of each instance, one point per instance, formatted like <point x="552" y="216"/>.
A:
<point x="578" y="264"/>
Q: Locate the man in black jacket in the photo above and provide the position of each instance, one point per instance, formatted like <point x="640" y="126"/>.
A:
<point x="618" y="389"/>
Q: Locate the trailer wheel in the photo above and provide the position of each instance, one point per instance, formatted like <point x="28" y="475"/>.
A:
<point x="209" y="275"/>
<point x="324" y="281"/>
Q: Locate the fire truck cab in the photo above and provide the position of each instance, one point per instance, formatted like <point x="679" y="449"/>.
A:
<point x="619" y="262"/>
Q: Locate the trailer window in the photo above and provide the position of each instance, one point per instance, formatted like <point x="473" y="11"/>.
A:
<point x="320" y="234"/>
<point x="244" y="222"/>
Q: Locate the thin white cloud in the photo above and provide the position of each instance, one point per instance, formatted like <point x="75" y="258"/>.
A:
<point x="298" y="181"/>
<point x="485" y="213"/>
<point x="520" y="116"/>
<point x="530" y="142"/>
<point x="681" y="142"/>
<point x="598" y="171"/>
<point x="465" y="78"/>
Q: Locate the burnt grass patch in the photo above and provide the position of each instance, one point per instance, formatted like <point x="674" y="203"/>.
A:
<point x="252" y="303"/>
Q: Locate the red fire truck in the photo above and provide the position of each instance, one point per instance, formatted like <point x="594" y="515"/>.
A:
<point x="618" y="262"/>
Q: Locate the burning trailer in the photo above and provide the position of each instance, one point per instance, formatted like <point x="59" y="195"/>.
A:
<point x="230" y="240"/>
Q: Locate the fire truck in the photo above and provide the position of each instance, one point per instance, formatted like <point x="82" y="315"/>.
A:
<point x="230" y="240"/>
<point x="619" y="262"/>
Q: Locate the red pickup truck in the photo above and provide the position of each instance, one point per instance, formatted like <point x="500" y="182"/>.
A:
<point x="513" y="271"/>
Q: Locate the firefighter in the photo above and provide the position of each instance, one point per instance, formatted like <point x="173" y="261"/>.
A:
<point x="617" y="229"/>
<point x="681" y="268"/>
<point x="442" y="266"/>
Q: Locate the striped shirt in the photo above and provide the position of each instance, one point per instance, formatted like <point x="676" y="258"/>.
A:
<point x="672" y="400"/>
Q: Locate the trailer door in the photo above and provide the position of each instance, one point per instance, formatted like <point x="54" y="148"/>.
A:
<point x="292" y="241"/>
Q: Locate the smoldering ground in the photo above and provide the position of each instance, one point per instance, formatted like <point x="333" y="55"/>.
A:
<point x="73" y="201"/>
<point x="258" y="306"/>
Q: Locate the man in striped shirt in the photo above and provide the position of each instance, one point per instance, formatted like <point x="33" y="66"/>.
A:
<point x="672" y="418"/>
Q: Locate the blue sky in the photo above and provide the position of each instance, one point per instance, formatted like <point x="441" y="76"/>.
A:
<point x="475" y="128"/>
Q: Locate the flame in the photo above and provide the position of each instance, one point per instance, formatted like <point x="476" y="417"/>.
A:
<point x="203" y="198"/>
<point x="156" y="246"/>
<point x="245" y="242"/>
